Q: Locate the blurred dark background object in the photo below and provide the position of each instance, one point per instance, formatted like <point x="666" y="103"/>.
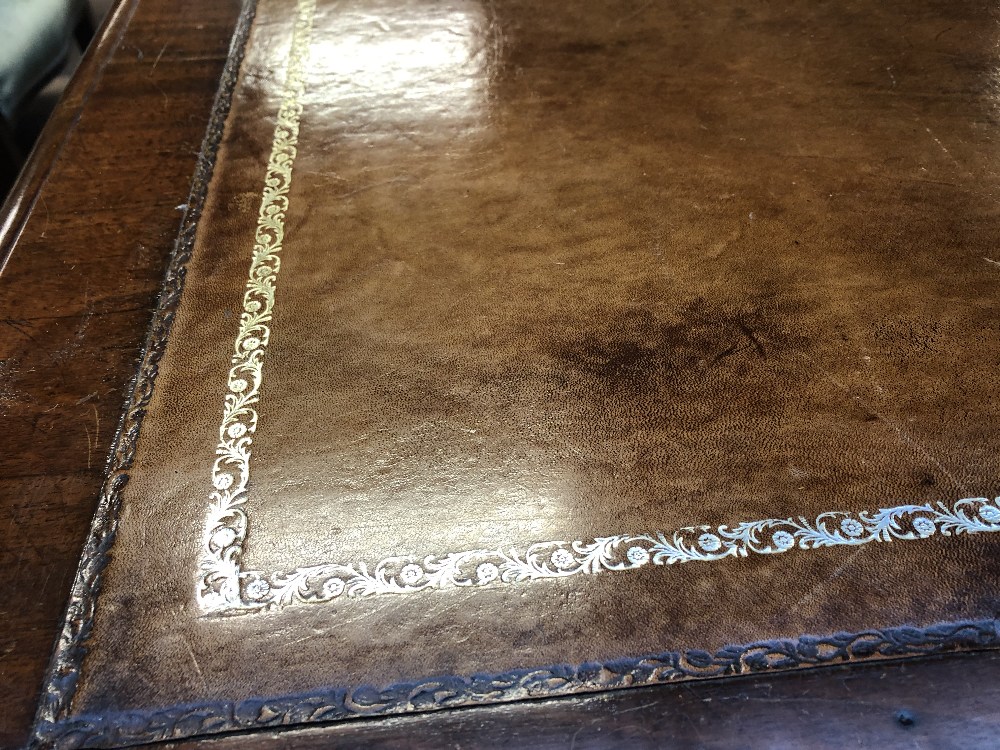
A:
<point x="41" y="43"/>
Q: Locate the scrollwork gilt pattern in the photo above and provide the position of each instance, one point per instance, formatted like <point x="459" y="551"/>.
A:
<point x="403" y="574"/>
<point x="78" y="622"/>
<point x="56" y="726"/>
<point x="226" y="524"/>
<point x="227" y="586"/>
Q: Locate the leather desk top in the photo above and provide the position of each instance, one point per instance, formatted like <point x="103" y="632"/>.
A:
<point x="513" y="352"/>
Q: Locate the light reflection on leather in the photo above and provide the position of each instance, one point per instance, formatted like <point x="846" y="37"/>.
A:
<point x="401" y="65"/>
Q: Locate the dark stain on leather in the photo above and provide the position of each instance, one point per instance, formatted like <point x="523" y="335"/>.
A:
<point x="584" y="48"/>
<point x="637" y="350"/>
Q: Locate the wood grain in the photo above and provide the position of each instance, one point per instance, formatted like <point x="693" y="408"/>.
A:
<point x="85" y="237"/>
<point x="892" y="706"/>
<point x="84" y="240"/>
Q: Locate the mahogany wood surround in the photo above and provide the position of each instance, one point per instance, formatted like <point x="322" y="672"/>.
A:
<point x="881" y="169"/>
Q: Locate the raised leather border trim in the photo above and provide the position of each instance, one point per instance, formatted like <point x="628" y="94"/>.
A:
<point x="64" y="669"/>
<point x="447" y="691"/>
<point x="55" y="727"/>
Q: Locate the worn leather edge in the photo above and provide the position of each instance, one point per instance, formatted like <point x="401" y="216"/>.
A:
<point x="70" y="649"/>
<point x="54" y="727"/>
<point x="449" y="691"/>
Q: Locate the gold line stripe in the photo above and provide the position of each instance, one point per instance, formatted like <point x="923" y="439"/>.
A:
<point x="226" y="523"/>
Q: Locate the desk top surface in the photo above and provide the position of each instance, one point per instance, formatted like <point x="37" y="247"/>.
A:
<point x="630" y="278"/>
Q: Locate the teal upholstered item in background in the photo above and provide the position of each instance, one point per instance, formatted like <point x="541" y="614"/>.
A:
<point x="35" y="36"/>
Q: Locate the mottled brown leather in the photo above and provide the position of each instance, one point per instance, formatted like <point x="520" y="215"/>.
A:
<point x="627" y="267"/>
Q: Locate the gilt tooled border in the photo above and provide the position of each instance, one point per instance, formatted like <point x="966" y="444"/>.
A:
<point x="70" y="649"/>
<point x="225" y="586"/>
<point x="54" y="727"/>
<point x="449" y="691"/>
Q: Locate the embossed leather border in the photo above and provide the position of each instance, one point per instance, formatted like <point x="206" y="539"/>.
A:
<point x="64" y="669"/>
<point x="545" y="682"/>
<point x="55" y="727"/>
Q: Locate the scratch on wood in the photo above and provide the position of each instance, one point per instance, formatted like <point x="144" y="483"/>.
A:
<point x="97" y="424"/>
<point x="157" y="60"/>
<point x="92" y="443"/>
